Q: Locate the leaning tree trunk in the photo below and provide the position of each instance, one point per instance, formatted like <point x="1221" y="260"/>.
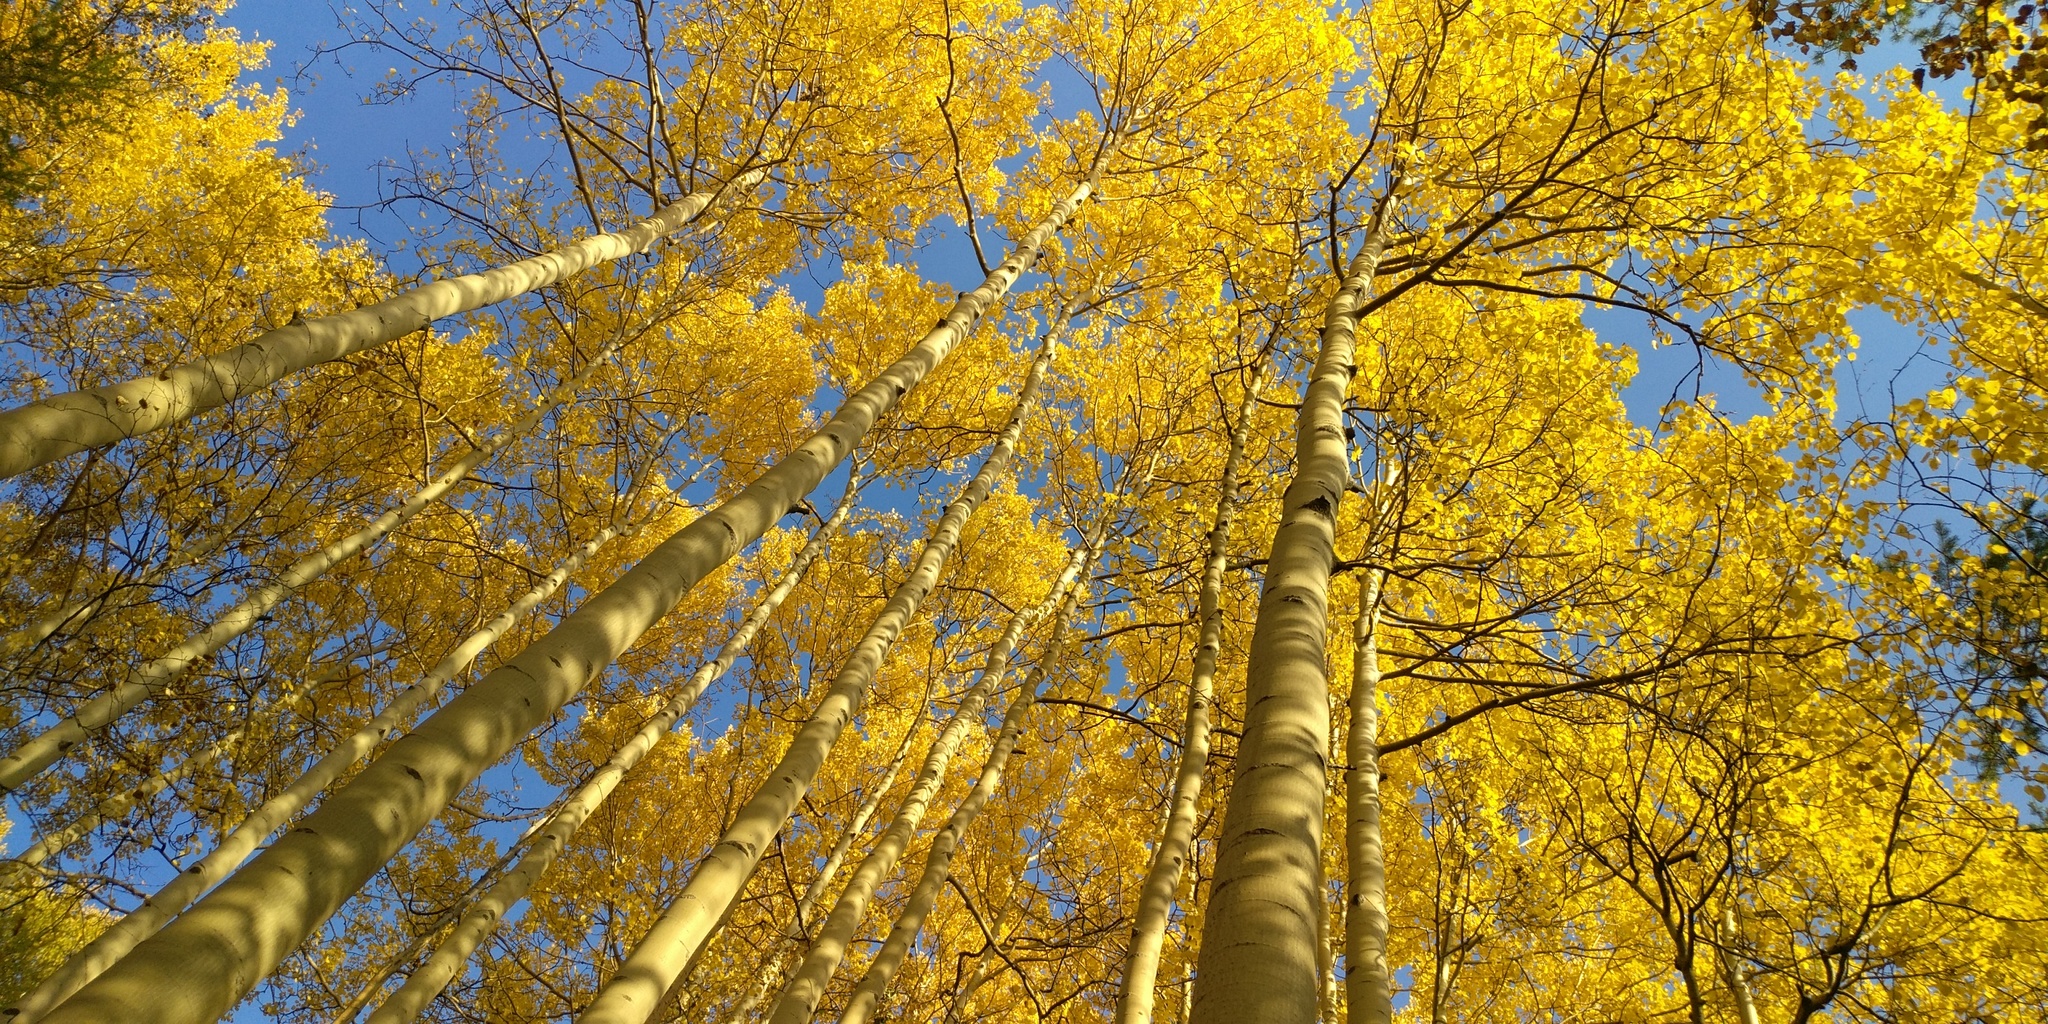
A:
<point x="193" y="881"/>
<point x="637" y="988"/>
<point x="807" y="904"/>
<point x="483" y="916"/>
<point x="1259" y="960"/>
<point x="938" y="863"/>
<point x="42" y="432"/>
<point x="1162" y="879"/>
<point x="867" y="993"/>
<point x="800" y="998"/>
<point x="198" y="967"/>
<point x="26" y="761"/>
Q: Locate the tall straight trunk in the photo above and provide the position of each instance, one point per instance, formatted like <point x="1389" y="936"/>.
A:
<point x="1162" y="879"/>
<point x="41" y="432"/>
<point x="190" y="883"/>
<point x="801" y="997"/>
<point x="867" y="993"/>
<point x="57" y="841"/>
<point x="1258" y="960"/>
<point x="26" y="761"/>
<point x="483" y="916"/>
<point x="1368" y="985"/>
<point x="807" y="904"/>
<point x="638" y="987"/>
<point x="196" y="969"/>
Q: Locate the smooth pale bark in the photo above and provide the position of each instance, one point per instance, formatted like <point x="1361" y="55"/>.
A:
<point x="814" y="893"/>
<point x="800" y="997"/>
<point x="938" y="865"/>
<point x="1162" y="879"/>
<point x="1368" y="985"/>
<point x="866" y="999"/>
<point x="198" y="967"/>
<point x="1731" y="968"/>
<point x="1258" y="961"/>
<point x="190" y="883"/>
<point x="483" y="916"/>
<point x="26" y="761"/>
<point x="637" y="989"/>
<point x="41" y="432"/>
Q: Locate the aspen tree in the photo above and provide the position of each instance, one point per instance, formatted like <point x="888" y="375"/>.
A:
<point x="814" y="893"/>
<point x="648" y="973"/>
<point x="867" y="993"/>
<point x="1732" y="971"/>
<point x="199" y="966"/>
<point x="1258" y="957"/>
<point x="800" y="997"/>
<point x="42" y="432"/>
<point x="483" y="916"/>
<point x="25" y="761"/>
<point x="1162" y="877"/>
<point x="193" y="881"/>
<point x="1368" y="985"/>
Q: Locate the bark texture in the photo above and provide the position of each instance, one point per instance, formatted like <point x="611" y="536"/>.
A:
<point x="1162" y="878"/>
<point x="42" y="432"/>
<point x="195" y="880"/>
<point x="1259" y="958"/>
<point x="661" y="957"/>
<point x="1368" y="985"/>
<point x="483" y="916"/>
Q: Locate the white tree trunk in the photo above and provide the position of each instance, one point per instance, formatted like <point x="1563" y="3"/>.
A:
<point x="41" y="432"/>
<point x="482" y="917"/>
<point x="193" y="881"/>
<point x="201" y="965"/>
<point x="26" y="761"/>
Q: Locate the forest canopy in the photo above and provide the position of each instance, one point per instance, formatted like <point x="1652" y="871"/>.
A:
<point x="1393" y="526"/>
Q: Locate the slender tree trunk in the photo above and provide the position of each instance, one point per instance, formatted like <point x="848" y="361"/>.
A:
<point x="196" y="969"/>
<point x="119" y="803"/>
<point x="1368" y="986"/>
<point x="800" y="998"/>
<point x="41" y="432"/>
<point x="814" y="893"/>
<point x="867" y="994"/>
<point x="483" y="916"/>
<point x="193" y="881"/>
<point x="938" y="865"/>
<point x="1731" y="968"/>
<point x="637" y="988"/>
<point x="1258" y="960"/>
<point x="1162" y="879"/>
<point x="26" y="761"/>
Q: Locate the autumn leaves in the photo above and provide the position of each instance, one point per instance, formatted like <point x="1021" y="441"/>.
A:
<point x="1296" y="626"/>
